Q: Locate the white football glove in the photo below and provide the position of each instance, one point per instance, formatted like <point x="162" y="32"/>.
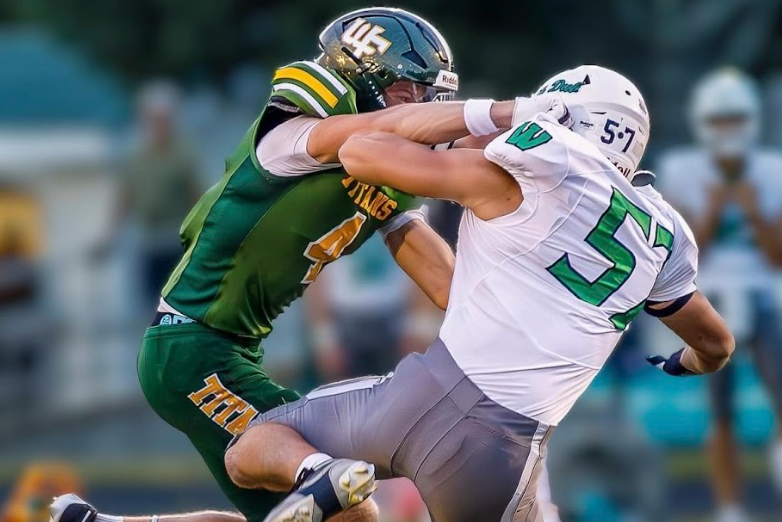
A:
<point x="526" y="108"/>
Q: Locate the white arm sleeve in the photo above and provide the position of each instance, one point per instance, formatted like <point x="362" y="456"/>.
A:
<point x="283" y="151"/>
<point x="399" y="221"/>
<point x="677" y="277"/>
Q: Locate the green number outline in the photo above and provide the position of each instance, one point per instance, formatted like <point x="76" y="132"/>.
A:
<point x="603" y="239"/>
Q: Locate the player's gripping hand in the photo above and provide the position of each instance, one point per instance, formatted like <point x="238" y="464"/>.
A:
<point x="672" y="365"/>
<point x="552" y="104"/>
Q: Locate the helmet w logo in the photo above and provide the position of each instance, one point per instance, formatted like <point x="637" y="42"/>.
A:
<point x="365" y="38"/>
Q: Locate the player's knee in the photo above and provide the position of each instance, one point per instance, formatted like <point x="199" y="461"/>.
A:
<point x="237" y="464"/>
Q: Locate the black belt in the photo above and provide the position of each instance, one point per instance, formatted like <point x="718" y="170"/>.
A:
<point x="168" y="319"/>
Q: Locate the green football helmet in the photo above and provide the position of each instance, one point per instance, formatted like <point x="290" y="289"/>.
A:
<point x="376" y="47"/>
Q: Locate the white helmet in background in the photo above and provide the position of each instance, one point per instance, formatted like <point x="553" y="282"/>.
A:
<point x="725" y="112"/>
<point x="607" y="109"/>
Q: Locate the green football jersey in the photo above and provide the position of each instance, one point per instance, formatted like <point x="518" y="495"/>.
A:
<point x="255" y="240"/>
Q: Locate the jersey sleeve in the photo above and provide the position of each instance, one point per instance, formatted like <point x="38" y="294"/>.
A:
<point x="314" y="89"/>
<point x="677" y="278"/>
<point x="534" y="152"/>
<point x="283" y="150"/>
<point x="400" y="220"/>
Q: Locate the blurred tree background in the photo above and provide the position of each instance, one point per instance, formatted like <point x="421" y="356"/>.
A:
<point x="502" y="49"/>
<point x="204" y="40"/>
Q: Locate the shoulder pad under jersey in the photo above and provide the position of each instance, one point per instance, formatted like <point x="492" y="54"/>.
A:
<point x="314" y="89"/>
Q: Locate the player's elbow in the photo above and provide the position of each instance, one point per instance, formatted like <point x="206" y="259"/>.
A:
<point x="441" y="298"/>
<point x="442" y="290"/>
<point x="716" y="349"/>
<point x="350" y="154"/>
<point x="725" y="345"/>
<point x="360" y="153"/>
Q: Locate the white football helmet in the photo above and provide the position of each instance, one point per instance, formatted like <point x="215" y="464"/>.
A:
<point x="607" y="109"/>
<point x="725" y="112"/>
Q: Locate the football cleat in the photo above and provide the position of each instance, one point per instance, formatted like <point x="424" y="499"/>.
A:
<point x="326" y="490"/>
<point x="70" y="508"/>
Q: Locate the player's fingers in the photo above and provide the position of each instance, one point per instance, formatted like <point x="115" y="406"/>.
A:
<point x="656" y="360"/>
<point x="560" y="111"/>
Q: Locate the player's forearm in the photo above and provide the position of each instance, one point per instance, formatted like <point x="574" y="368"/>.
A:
<point x="434" y="123"/>
<point x="426" y="258"/>
<point x="708" y="359"/>
<point x="709" y="345"/>
<point x="709" y="340"/>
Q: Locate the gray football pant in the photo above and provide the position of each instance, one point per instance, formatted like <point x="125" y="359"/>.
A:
<point x="472" y="459"/>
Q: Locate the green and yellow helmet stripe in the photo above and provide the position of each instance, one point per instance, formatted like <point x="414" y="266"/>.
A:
<point x="313" y="88"/>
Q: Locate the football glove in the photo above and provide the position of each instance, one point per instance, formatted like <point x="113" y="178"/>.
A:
<point x="526" y="108"/>
<point x="672" y="365"/>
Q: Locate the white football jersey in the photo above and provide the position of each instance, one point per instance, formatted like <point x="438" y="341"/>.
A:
<point x="541" y="296"/>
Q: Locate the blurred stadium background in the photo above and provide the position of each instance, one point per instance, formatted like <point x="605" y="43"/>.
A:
<point x="116" y="114"/>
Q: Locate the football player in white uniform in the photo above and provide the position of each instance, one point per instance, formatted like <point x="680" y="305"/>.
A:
<point x="730" y="190"/>
<point x="558" y="252"/>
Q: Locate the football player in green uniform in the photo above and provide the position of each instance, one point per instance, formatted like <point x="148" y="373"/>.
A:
<point x="284" y="209"/>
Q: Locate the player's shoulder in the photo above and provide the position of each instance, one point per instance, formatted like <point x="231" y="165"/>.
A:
<point x="543" y="146"/>
<point x="665" y="213"/>
<point x="314" y="89"/>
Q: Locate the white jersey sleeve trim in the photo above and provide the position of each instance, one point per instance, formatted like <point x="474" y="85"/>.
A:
<point x="399" y="221"/>
<point x="283" y="151"/>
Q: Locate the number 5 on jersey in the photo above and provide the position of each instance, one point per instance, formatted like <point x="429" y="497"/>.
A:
<point x="603" y="239"/>
<point x="330" y="245"/>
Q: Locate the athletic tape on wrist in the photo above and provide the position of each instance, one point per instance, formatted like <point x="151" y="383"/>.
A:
<point x="477" y="117"/>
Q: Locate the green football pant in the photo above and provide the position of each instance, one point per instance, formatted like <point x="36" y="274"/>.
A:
<point x="210" y="385"/>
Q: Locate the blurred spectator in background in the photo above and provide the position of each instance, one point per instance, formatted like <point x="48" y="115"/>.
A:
<point x="160" y="184"/>
<point x="365" y="314"/>
<point x="21" y="238"/>
<point x="29" y="501"/>
<point x="730" y="192"/>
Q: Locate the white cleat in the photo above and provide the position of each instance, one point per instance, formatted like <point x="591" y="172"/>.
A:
<point x="328" y="489"/>
<point x="71" y="508"/>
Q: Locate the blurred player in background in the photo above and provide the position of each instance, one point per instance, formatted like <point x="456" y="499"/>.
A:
<point x="730" y="191"/>
<point x="160" y="185"/>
